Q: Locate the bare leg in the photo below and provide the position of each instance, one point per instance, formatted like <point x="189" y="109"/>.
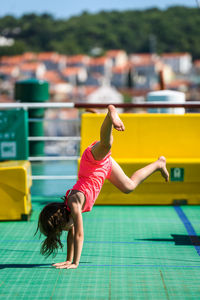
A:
<point x="118" y="177"/>
<point x="100" y="149"/>
<point x="126" y="184"/>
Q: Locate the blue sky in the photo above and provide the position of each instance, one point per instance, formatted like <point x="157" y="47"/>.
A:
<point x="66" y="9"/>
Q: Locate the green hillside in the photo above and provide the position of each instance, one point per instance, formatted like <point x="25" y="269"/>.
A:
<point x="175" y="29"/>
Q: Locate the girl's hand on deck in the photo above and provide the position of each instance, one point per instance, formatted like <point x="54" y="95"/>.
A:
<point x="72" y="266"/>
<point x="67" y="266"/>
<point x="62" y="264"/>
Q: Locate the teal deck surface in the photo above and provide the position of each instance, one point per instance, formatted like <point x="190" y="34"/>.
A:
<point x="130" y="252"/>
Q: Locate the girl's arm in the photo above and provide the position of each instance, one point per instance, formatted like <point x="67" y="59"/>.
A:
<point x="70" y="251"/>
<point x="75" y="208"/>
<point x="70" y="245"/>
<point x="78" y="234"/>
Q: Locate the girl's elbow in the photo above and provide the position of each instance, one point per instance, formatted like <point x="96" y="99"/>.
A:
<point x="79" y="236"/>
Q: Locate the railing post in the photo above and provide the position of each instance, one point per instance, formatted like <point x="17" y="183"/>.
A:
<point x="34" y="90"/>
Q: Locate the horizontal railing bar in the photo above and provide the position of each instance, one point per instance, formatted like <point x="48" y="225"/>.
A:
<point x="54" y="177"/>
<point x="54" y="138"/>
<point x="52" y="158"/>
<point x="189" y="104"/>
<point x="53" y="120"/>
<point x="34" y="105"/>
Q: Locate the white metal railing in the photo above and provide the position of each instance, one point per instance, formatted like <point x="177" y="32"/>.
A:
<point x="54" y="138"/>
<point x="157" y="104"/>
<point x="52" y="158"/>
<point x="31" y="105"/>
<point x="46" y="105"/>
<point x="53" y="177"/>
<point x="57" y="105"/>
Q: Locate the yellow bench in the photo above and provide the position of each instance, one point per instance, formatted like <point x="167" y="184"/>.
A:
<point x="147" y="136"/>
<point x="15" y="183"/>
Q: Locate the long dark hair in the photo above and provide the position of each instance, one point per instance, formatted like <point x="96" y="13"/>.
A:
<point x="52" y="220"/>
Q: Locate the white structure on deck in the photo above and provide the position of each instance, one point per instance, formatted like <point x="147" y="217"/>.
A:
<point x="105" y="94"/>
<point x="167" y="96"/>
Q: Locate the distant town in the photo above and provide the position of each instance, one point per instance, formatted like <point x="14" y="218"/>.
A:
<point x="79" y="77"/>
<point x="115" y="77"/>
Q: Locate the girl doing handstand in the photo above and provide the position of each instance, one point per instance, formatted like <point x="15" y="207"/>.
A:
<point x="96" y="165"/>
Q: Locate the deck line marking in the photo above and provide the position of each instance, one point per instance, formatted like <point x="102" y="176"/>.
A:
<point x="190" y="229"/>
<point x="164" y="285"/>
<point x="139" y="266"/>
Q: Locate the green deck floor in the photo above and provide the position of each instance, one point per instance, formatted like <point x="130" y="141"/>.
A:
<point x="129" y="252"/>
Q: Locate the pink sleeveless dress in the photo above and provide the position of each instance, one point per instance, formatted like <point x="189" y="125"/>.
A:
<point x="91" y="176"/>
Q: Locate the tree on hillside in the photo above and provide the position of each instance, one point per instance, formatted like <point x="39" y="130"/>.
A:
<point x="173" y="29"/>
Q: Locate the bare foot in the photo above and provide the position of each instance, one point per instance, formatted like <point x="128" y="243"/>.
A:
<point x="162" y="168"/>
<point x="116" y="121"/>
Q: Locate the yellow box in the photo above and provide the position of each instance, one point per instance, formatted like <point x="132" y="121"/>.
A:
<point x="15" y="184"/>
<point x="146" y="137"/>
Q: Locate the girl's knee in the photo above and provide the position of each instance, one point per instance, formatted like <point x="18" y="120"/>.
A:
<point x="129" y="187"/>
<point x="127" y="191"/>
